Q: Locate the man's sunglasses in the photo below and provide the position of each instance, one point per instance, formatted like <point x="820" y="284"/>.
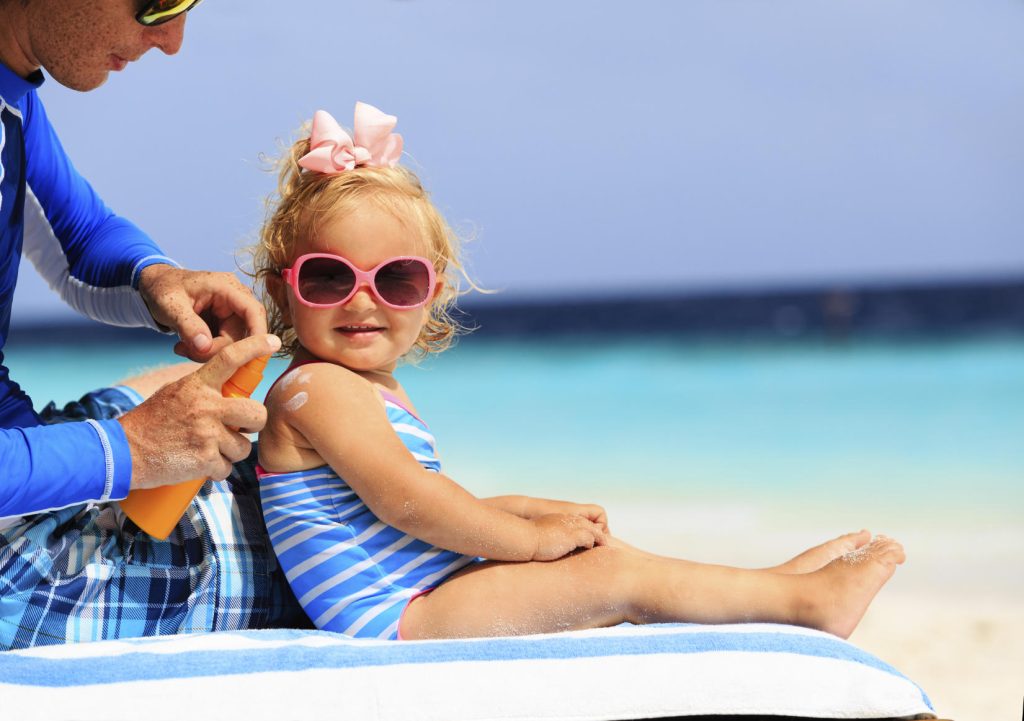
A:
<point x="321" y="280"/>
<point x="157" y="12"/>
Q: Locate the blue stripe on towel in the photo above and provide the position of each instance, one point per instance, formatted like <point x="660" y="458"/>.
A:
<point x="351" y="653"/>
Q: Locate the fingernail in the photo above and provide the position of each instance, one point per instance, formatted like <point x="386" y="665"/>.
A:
<point x="201" y="341"/>
<point x="274" y="342"/>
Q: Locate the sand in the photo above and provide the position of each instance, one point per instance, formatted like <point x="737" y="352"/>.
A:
<point x="965" y="650"/>
<point x="951" y="619"/>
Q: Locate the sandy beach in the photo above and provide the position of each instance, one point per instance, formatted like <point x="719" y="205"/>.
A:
<point x="965" y="649"/>
<point x="950" y="619"/>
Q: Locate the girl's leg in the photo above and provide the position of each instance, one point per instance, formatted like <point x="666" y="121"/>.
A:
<point x="150" y="381"/>
<point x="606" y="586"/>
<point x="810" y="560"/>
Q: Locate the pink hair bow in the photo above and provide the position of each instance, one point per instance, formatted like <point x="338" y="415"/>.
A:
<point x="332" y="151"/>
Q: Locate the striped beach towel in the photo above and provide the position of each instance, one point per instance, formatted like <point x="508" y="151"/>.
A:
<point x="626" y="672"/>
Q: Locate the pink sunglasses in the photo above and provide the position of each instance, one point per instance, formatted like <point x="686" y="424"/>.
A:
<point x="322" y="280"/>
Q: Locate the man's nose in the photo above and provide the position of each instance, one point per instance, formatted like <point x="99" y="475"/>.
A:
<point x="168" y="36"/>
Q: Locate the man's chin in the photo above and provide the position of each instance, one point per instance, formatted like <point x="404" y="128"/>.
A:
<point x="86" y="87"/>
<point x="80" y="81"/>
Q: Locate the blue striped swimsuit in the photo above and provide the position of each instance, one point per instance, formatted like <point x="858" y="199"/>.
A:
<point x="351" y="572"/>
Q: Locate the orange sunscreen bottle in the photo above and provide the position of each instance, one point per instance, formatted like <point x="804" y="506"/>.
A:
<point x="158" y="510"/>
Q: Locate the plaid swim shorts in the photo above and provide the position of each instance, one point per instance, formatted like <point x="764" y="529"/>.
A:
<point x="87" y="573"/>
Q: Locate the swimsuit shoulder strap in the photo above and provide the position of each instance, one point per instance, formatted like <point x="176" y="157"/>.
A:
<point x="398" y="402"/>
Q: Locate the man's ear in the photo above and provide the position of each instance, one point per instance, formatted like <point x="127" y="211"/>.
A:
<point x="279" y="294"/>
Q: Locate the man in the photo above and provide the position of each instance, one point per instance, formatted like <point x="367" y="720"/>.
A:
<point x="71" y="567"/>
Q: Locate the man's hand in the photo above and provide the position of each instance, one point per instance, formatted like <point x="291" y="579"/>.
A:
<point x="181" y="299"/>
<point x="186" y="429"/>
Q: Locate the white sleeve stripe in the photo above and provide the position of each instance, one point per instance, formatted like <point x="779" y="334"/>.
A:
<point x="121" y="306"/>
<point x="3" y="138"/>
<point x="138" y="266"/>
<point x="108" y="457"/>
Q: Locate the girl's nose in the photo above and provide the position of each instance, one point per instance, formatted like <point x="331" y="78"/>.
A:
<point x="364" y="299"/>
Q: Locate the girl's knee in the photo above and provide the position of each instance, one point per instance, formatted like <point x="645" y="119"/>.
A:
<point x="614" y="565"/>
<point x="623" y="577"/>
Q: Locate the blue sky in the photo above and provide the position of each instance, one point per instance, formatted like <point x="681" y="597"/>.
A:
<point x="593" y="147"/>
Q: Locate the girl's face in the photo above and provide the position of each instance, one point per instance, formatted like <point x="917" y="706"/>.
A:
<point x="363" y="334"/>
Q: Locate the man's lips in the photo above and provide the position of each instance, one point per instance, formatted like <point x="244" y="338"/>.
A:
<point x="117" y="62"/>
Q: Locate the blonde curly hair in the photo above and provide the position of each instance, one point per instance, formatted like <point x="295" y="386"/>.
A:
<point x="305" y="200"/>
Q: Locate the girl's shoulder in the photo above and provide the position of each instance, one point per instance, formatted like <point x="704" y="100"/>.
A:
<point x="315" y="379"/>
<point x="313" y="407"/>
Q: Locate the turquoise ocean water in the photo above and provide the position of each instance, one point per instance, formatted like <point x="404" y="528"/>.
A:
<point x="914" y="427"/>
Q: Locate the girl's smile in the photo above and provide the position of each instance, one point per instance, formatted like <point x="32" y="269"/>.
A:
<point x="361" y="334"/>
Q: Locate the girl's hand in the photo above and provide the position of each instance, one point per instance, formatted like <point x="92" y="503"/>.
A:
<point x="591" y="511"/>
<point x="559" y="534"/>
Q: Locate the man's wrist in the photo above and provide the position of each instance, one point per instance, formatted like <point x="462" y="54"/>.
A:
<point x="149" y="273"/>
<point x="145" y="264"/>
<point x="147" y="276"/>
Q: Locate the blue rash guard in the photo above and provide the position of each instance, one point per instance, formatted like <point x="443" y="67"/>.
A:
<point x="92" y="258"/>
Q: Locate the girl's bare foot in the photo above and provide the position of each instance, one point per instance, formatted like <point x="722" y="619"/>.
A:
<point x="819" y="556"/>
<point x="842" y="590"/>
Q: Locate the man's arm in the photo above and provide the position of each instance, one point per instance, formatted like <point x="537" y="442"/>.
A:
<point x="51" y="467"/>
<point x="185" y="430"/>
<point x="91" y="257"/>
<point x="107" y="269"/>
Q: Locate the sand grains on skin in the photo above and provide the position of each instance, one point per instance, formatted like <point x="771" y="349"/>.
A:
<point x="823" y="554"/>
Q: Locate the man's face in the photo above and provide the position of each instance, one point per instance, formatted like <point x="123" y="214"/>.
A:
<point x="80" y="42"/>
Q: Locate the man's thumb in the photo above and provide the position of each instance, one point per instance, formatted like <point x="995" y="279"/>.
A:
<point x="231" y="357"/>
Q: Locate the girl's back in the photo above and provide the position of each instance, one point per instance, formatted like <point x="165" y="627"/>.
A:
<point x="351" y="572"/>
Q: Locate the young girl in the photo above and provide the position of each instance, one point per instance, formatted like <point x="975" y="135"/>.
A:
<point x="359" y="271"/>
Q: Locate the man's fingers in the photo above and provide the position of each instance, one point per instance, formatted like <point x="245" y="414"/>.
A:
<point x="245" y="306"/>
<point x="234" y="447"/>
<point x="248" y="416"/>
<point x="219" y="341"/>
<point x="192" y="329"/>
<point x="233" y="312"/>
<point x="234" y="328"/>
<point x="222" y="366"/>
<point x="203" y="308"/>
<point x="196" y="338"/>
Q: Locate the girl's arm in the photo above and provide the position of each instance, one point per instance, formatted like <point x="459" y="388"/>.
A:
<point x="530" y="507"/>
<point x="342" y="418"/>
